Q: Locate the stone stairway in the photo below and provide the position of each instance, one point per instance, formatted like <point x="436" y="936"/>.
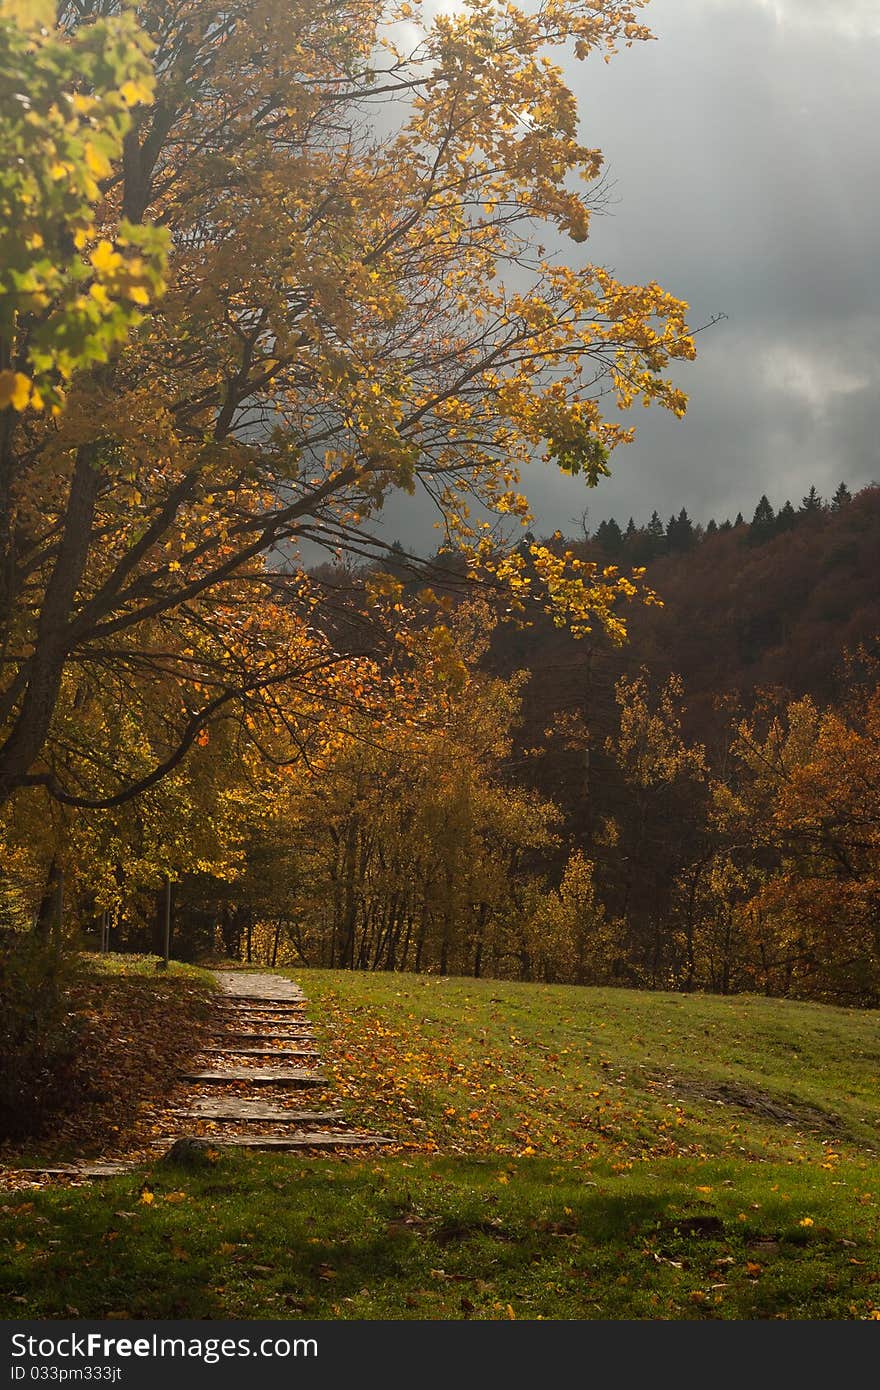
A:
<point x="237" y="1099"/>
<point x="234" y="1099"/>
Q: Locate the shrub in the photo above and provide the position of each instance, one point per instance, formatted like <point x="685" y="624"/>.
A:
<point x="38" y="1035"/>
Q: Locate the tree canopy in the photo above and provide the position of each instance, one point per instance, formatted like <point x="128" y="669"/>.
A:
<point x="343" y="209"/>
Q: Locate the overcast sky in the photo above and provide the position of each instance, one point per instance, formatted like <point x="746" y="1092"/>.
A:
<point x="744" y="151"/>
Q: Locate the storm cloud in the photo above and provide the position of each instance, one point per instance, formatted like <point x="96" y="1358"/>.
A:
<point x="742" y="153"/>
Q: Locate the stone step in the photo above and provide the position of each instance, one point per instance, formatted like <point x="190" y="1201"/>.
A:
<point x="269" y="989"/>
<point x="236" y="1011"/>
<point x="278" y="1076"/>
<point x="251" y="994"/>
<point x="234" y="1035"/>
<point x="110" y="1169"/>
<point x="279" y="1052"/>
<point x="234" y="1108"/>
<point x="304" y="1139"/>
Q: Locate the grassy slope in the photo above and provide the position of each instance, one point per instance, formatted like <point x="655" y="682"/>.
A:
<point x="578" y="1153"/>
<point x="613" y="1074"/>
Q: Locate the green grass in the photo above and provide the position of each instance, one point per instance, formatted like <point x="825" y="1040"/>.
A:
<point x="484" y="1066"/>
<point x="570" y="1153"/>
<point x="118" y="965"/>
<point x="446" y="1238"/>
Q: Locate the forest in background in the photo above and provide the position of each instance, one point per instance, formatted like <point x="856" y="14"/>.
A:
<point x="707" y="800"/>
<point x="694" y="809"/>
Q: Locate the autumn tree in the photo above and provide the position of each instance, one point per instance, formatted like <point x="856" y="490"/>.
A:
<point x="355" y="301"/>
<point x="571" y="938"/>
<point x="405" y="846"/>
<point x="655" y="839"/>
<point x="807" y="798"/>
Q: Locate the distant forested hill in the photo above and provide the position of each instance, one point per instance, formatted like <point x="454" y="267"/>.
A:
<point x="769" y="605"/>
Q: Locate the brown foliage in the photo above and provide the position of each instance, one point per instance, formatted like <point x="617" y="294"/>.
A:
<point x="132" y="1036"/>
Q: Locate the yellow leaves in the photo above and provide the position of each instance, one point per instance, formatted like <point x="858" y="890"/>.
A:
<point x="15" y="390"/>
<point x="136" y="93"/>
<point x="105" y="259"/>
<point x="384" y="586"/>
<point x="97" y="161"/>
<point x="119" y="276"/>
<point x="147" y="1198"/>
<point x="806" y="1221"/>
<point x="29" y="14"/>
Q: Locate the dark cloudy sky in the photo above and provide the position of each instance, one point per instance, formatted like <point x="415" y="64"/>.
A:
<point x="744" y="150"/>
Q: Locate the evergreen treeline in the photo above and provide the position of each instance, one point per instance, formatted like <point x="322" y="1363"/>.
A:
<point x="639" y="545"/>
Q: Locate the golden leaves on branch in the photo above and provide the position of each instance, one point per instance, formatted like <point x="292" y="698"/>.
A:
<point x="61" y="137"/>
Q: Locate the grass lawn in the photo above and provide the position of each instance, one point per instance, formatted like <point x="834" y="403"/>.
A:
<point x="566" y="1153"/>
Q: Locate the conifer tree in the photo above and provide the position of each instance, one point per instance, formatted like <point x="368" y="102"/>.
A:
<point x="812" y="504"/>
<point x="786" y="517"/>
<point x="763" y="526"/>
<point x="680" y="532"/>
<point x="610" y="537"/>
<point x="656" y="536"/>
<point x="841" y="497"/>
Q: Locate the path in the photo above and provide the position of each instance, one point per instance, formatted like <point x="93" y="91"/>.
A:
<point x="249" y="1091"/>
<point x="258" y="1086"/>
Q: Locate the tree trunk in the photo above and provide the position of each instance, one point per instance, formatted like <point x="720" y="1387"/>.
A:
<point x="39" y="681"/>
<point x="275" y="942"/>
